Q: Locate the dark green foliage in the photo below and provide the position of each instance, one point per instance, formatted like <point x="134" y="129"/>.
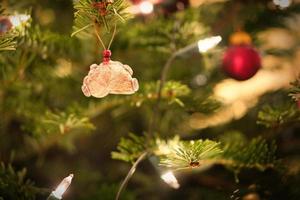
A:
<point x="43" y="112"/>
<point x="29" y="83"/>
<point x="129" y="149"/>
<point x="204" y="104"/>
<point x="295" y="90"/>
<point x="271" y="116"/>
<point x="48" y="44"/>
<point x="107" y="192"/>
<point x="58" y="128"/>
<point x="257" y="153"/>
<point x="181" y="30"/>
<point x="172" y="92"/>
<point x="14" y="185"/>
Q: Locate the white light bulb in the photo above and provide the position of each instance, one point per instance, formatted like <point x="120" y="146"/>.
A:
<point x="17" y="20"/>
<point x="170" y="179"/>
<point x="146" y="7"/>
<point x="205" y="44"/>
<point x="62" y="187"/>
<point x="282" y="3"/>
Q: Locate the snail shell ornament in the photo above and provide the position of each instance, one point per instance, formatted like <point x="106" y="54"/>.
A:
<point x="110" y="77"/>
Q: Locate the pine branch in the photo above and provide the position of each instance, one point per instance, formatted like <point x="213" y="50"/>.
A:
<point x="8" y="42"/>
<point x="47" y="44"/>
<point x="271" y="116"/>
<point x="295" y="90"/>
<point x="172" y="94"/>
<point x="14" y="185"/>
<point x="7" y="39"/>
<point x="256" y="154"/>
<point x="58" y="128"/>
<point x="94" y="13"/>
<point x="185" y="28"/>
<point x="235" y="153"/>
<point x="63" y="122"/>
<point x="129" y="149"/>
<point x="191" y="154"/>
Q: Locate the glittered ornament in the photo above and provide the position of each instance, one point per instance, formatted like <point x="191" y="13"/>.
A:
<point x="241" y="62"/>
<point x="110" y="77"/>
<point x="5" y="25"/>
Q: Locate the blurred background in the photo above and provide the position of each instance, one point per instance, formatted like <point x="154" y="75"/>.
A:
<point x="242" y="83"/>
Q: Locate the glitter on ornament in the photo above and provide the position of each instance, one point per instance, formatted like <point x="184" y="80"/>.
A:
<point x="110" y="77"/>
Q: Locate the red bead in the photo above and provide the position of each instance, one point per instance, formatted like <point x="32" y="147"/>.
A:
<point x="106" y="55"/>
<point x="241" y="62"/>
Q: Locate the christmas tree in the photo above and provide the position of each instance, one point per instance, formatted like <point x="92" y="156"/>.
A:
<point x="149" y="99"/>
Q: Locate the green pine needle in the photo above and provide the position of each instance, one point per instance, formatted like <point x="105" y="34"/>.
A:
<point x="271" y="116"/>
<point x="87" y="16"/>
<point x="295" y="90"/>
<point x="14" y="185"/>
<point x="7" y="42"/>
<point x="129" y="149"/>
<point x="235" y="153"/>
<point x="191" y="154"/>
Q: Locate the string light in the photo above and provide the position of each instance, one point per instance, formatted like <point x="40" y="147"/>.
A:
<point x="62" y="187"/>
<point x="170" y="179"/>
<point x="146" y="7"/>
<point x="208" y="43"/>
<point x="18" y="19"/>
<point x="282" y="3"/>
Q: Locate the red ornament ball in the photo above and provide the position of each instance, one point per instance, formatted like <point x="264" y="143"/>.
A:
<point x="241" y="62"/>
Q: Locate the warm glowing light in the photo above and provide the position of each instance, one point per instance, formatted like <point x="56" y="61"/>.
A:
<point x="200" y="80"/>
<point x="208" y="43"/>
<point x="282" y="3"/>
<point x="238" y="97"/>
<point x="62" y="187"/>
<point x="146" y="7"/>
<point x="170" y="179"/>
<point x="63" y="69"/>
<point x="17" y="20"/>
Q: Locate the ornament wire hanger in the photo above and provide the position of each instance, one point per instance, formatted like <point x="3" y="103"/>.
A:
<point x="111" y="40"/>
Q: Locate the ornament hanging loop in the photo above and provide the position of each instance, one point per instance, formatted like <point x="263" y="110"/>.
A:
<point x="107" y="53"/>
<point x="113" y="36"/>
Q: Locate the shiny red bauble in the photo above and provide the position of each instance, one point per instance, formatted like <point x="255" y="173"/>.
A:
<point x="241" y="62"/>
